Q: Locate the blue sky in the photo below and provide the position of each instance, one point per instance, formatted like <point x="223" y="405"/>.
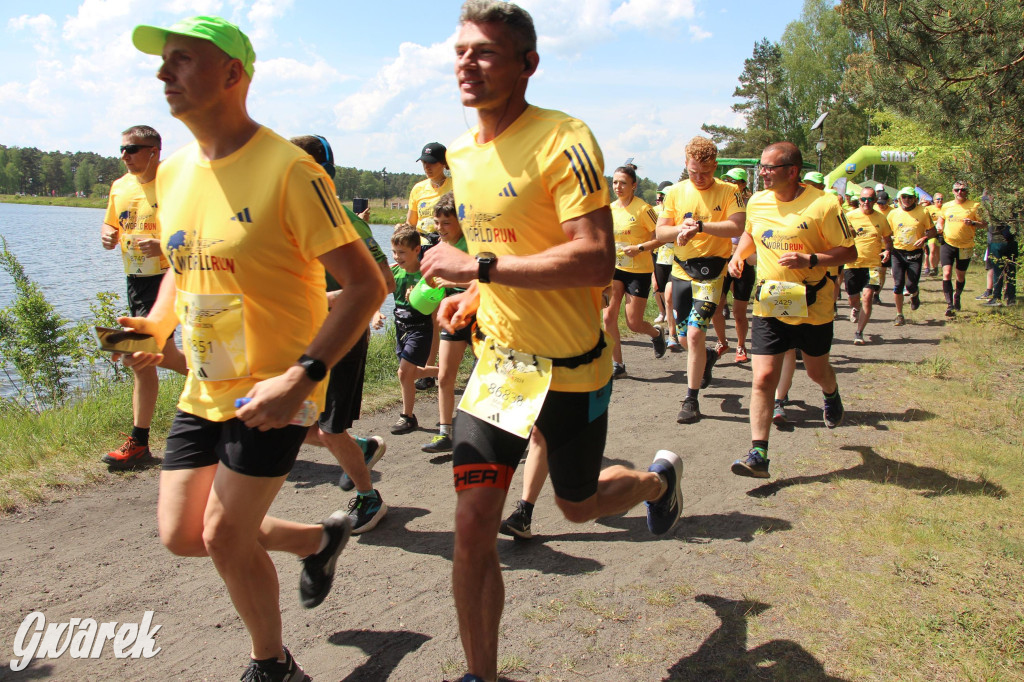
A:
<point x="376" y="78"/>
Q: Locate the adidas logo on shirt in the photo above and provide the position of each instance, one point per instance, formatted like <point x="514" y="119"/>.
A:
<point x="507" y="191"/>
<point x="242" y="216"/>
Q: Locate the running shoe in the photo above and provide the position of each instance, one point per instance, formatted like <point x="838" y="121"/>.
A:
<point x="663" y="513"/>
<point x="709" y="364"/>
<point x="425" y="383"/>
<point x="853" y="315"/>
<point x="900" y="321"/>
<point x="673" y="345"/>
<point x="128" y="456"/>
<point x="992" y="303"/>
<point x="375" y="448"/>
<point x="517" y="524"/>
<point x="405" y="424"/>
<point x="926" y="272"/>
<point x="915" y="302"/>
<point x="660" y="318"/>
<point x="659" y="343"/>
<point x="987" y="294"/>
<point x="318" y="569"/>
<point x="366" y="511"/>
<point x="752" y="466"/>
<point x="833" y="412"/>
<point x="949" y="313"/>
<point x="726" y="312"/>
<point x="274" y="670"/>
<point x="956" y="303"/>
<point x="618" y="370"/>
<point x="741" y="354"/>
<point x="690" y="412"/>
<point x="779" y="413"/>
<point x="721" y="348"/>
<point x="442" y="442"/>
<point x="858" y="338"/>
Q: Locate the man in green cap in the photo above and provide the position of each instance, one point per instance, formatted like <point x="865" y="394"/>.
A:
<point x="815" y="179"/>
<point x="248" y="222"/>
<point x="911" y="228"/>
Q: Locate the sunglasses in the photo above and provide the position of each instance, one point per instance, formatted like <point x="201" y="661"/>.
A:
<point x="868" y="200"/>
<point x="959" y="189"/>
<point x="134" y="148"/>
<point x="778" y="165"/>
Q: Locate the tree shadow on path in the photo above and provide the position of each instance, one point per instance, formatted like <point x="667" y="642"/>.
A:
<point x="724" y="654"/>
<point x="930" y="481"/>
<point x="386" y="650"/>
<point x="699" y="529"/>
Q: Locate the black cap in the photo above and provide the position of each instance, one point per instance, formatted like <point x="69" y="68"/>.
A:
<point x="663" y="184"/>
<point x="433" y="152"/>
<point x="882" y="197"/>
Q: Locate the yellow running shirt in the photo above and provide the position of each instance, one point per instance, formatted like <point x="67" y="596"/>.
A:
<point x="884" y="210"/>
<point x="812" y="223"/>
<point x="131" y="211"/>
<point x="513" y="194"/>
<point x="634" y="225"/>
<point x="243" y="234"/>
<point x="422" y="199"/>
<point x="714" y="204"/>
<point x="908" y="226"/>
<point x="954" y="230"/>
<point x="869" y="233"/>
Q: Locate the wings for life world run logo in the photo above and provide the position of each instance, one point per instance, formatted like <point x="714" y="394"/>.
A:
<point x="778" y="242"/>
<point x="188" y="253"/>
<point x="477" y="229"/>
<point x="82" y="638"/>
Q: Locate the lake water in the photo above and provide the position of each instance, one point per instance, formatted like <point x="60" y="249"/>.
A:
<point x="59" y="247"/>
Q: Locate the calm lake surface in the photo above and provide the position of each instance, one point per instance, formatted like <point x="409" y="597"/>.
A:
<point x="59" y="247"/>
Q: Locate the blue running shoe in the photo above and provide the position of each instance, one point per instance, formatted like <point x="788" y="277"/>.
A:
<point x="375" y="448"/>
<point x="663" y="513"/>
<point x="753" y="466"/>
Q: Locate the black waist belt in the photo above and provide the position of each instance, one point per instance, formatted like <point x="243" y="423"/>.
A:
<point x="569" y="363"/>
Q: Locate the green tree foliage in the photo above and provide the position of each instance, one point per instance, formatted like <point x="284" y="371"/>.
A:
<point x="85" y="178"/>
<point x="39" y="344"/>
<point x="959" y="70"/>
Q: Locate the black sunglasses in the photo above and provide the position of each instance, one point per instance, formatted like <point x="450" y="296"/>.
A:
<point x="959" y="189"/>
<point x="869" y="200"/>
<point x="134" y="148"/>
<point x="778" y="165"/>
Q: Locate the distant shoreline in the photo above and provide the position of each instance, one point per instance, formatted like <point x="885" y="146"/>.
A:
<point x="75" y="202"/>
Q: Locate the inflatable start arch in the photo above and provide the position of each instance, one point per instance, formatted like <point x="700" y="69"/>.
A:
<point x="868" y="156"/>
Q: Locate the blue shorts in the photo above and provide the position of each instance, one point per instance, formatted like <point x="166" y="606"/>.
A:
<point x="413" y="343"/>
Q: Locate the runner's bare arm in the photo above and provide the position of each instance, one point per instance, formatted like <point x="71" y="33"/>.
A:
<point x="740" y="253"/>
<point x="666" y="231"/>
<point x="159" y="324"/>
<point x="837" y="255"/>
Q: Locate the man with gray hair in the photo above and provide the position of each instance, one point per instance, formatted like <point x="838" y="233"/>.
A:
<point x="535" y="213"/>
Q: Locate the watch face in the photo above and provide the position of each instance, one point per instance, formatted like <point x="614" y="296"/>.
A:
<point x="485" y="256"/>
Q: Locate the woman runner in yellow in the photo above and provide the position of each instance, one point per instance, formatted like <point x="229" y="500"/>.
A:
<point x="635" y="221"/>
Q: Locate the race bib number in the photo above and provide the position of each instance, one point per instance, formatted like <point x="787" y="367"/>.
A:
<point x="621" y="259"/>
<point x="781" y="299"/>
<point x="507" y="388"/>
<point x="874" y="279"/>
<point x="965" y="254"/>
<point x="710" y="291"/>
<point x="213" y="335"/>
<point x="136" y="262"/>
<point x="908" y="235"/>
<point x="665" y="254"/>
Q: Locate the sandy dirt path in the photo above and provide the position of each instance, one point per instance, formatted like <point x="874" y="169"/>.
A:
<point x="598" y="601"/>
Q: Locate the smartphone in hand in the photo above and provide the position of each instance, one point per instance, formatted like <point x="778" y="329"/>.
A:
<point x="359" y="205"/>
<point x="124" y="341"/>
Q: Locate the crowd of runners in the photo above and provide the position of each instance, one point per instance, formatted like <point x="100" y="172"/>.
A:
<point x="512" y="246"/>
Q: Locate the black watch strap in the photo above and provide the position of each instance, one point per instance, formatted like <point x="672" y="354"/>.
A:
<point x="315" y="369"/>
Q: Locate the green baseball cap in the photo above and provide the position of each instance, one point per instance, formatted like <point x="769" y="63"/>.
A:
<point x="222" y="33"/>
<point x="738" y="174"/>
<point x="815" y="176"/>
<point x="907" y="191"/>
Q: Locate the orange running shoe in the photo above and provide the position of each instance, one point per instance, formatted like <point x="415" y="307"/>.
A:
<point x="128" y="456"/>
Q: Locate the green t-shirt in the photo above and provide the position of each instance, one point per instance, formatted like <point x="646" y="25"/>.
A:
<point x="367" y="236"/>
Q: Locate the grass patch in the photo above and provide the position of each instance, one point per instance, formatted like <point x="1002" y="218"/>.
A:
<point x="61" y="447"/>
<point x="917" y="568"/>
<point x="77" y="202"/>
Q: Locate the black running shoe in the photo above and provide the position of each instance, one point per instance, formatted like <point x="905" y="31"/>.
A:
<point x="425" y="383"/>
<point x="752" y="466"/>
<point x="366" y="512"/>
<point x="405" y="424"/>
<point x="663" y="513"/>
<point x="618" y="370"/>
<point x="517" y="524"/>
<point x="949" y="313"/>
<point x="274" y="670"/>
<point x="709" y="364"/>
<point x="690" y="412"/>
<point x="442" y="442"/>
<point x="833" y="412"/>
<point x="318" y="569"/>
<point x="659" y="343"/>
<point x="915" y="302"/>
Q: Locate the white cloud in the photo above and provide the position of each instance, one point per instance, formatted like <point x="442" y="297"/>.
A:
<point x="95" y="18"/>
<point x="698" y="34"/>
<point x="185" y="8"/>
<point x="652" y="13"/>
<point x="415" y="72"/>
<point x="42" y="27"/>
<point x="262" y="17"/>
<point x="285" y="72"/>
